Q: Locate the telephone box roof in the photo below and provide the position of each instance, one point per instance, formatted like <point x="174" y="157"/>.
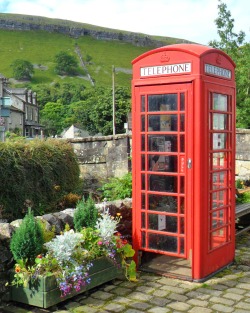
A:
<point x="194" y="49"/>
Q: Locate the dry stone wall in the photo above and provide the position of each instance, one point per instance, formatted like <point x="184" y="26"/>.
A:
<point x="102" y="157"/>
<point x="242" y="166"/>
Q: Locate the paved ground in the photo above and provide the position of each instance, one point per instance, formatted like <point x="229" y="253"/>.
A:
<point x="228" y="292"/>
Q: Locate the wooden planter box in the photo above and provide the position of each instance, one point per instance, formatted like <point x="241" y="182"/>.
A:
<point x="44" y="292"/>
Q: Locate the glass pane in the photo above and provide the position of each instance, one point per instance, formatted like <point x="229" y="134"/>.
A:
<point x="162" y="242"/>
<point x="162" y="183"/>
<point x="182" y="126"/>
<point x="182" y="143"/>
<point x="219" y="121"/>
<point x="143" y="203"/>
<point x="219" y="199"/>
<point x="219" y="180"/>
<point x="143" y="123"/>
<point x="163" y="102"/>
<point x="182" y="184"/>
<point x="161" y="143"/>
<point x="143" y="239"/>
<point x="162" y="203"/>
<point x="163" y="122"/>
<point x="182" y="205"/>
<point x="182" y="245"/>
<point x="143" y="162"/>
<point x="218" y="218"/>
<point x="143" y="221"/>
<point x="182" y="104"/>
<point x="218" y="238"/>
<point x="182" y="225"/>
<point x="219" y="141"/>
<point x="143" y="143"/>
<point x="143" y="181"/>
<point x="142" y="103"/>
<point x="219" y="102"/>
<point x="219" y="160"/>
<point x="162" y="163"/>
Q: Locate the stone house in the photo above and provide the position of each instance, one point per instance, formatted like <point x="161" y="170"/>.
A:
<point x="19" y="111"/>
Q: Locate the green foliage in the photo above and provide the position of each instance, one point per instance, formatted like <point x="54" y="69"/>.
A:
<point x="40" y="172"/>
<point x="99" y="118"/>
<point x="243" y="197"/>
<point x="48" y="235"/>
<point x="27" y="241"/>
<point x="229" y="40"/>
<point x="233" y="44"/>
<point x="65" y="63"/>
<point x="22" y="69"/>
<point x="86" y="214"/>
<point x="118" y="188"/>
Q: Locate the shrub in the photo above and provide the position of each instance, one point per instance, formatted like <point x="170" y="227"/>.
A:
<point x="86" y="214"/>
<point x="243" y="197"/>
<point x="39" y="171"/>
<point x="118" y="188"/>
<point x="27" y="241"/>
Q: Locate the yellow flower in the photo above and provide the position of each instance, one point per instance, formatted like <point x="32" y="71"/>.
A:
<point x="18" y="269"/>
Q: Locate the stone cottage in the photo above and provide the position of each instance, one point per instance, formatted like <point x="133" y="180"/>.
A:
<point x="19" y="111"/>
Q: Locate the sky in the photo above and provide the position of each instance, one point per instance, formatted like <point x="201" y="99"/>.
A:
<point x="185" y="19"/>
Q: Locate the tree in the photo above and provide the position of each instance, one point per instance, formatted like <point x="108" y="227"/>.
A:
<point x="233" y="44"/>
<point x="53" y="117"/>
<point x="65" y="63"/>
<point x="22" y="69"/>
<point x="95" y="113"/>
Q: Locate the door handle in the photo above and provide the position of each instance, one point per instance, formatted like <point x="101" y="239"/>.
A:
<point x="189" y="163"/>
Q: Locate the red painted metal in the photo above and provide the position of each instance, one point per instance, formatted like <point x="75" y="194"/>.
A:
<point x="183" y="142"/>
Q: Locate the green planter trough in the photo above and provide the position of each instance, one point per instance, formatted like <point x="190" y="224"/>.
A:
<point x="44" y="292"/>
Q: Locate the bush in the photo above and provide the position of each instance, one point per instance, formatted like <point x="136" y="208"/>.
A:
<point x="27" y="241"/>
<point x="85" y="214"/>
<point x="38" y="172"/>
<point x="243" y="197"/>
<point x="118" y="188"/>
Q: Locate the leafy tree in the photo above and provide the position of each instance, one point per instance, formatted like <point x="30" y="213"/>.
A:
<point x="233" y="44"/>
<point x="65" y="92"/>
<point x="65" y="63"/>
<point x="52" y="117"/>
<point x="95" y="112"/>
<point x="22" y="69"/>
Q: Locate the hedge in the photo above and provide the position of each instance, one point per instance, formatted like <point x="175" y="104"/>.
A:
<point x="35" y="174"/>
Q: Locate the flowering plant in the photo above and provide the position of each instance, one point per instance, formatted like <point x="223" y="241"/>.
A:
<point x="69" y="256"/>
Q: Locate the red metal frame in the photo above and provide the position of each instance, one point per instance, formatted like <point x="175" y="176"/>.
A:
<point x="202" y="76"/>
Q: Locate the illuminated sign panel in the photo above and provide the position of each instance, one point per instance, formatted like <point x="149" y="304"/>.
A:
<point x="166" y="69"/>
<point x="218" y="71"/>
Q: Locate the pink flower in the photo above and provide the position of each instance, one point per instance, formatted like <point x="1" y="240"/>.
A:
<point x="99" y="243"/>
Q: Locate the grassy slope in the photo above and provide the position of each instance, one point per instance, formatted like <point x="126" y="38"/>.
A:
<point x="40" y="48"/>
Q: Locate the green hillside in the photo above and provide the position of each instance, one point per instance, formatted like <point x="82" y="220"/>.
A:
<point x="40" y="47"/>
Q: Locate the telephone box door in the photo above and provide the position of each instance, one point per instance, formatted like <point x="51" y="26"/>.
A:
<point x="162" y="195"/>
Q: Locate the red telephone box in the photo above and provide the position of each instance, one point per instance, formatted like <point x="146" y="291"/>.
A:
<point x="183" y="142"/>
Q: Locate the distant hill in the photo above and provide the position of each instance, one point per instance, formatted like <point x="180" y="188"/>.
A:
<point x="38" y="39"/>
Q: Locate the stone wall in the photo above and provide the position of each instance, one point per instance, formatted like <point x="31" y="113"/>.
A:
<point x="102" y="157"/>
<point x="242" y="154"/>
